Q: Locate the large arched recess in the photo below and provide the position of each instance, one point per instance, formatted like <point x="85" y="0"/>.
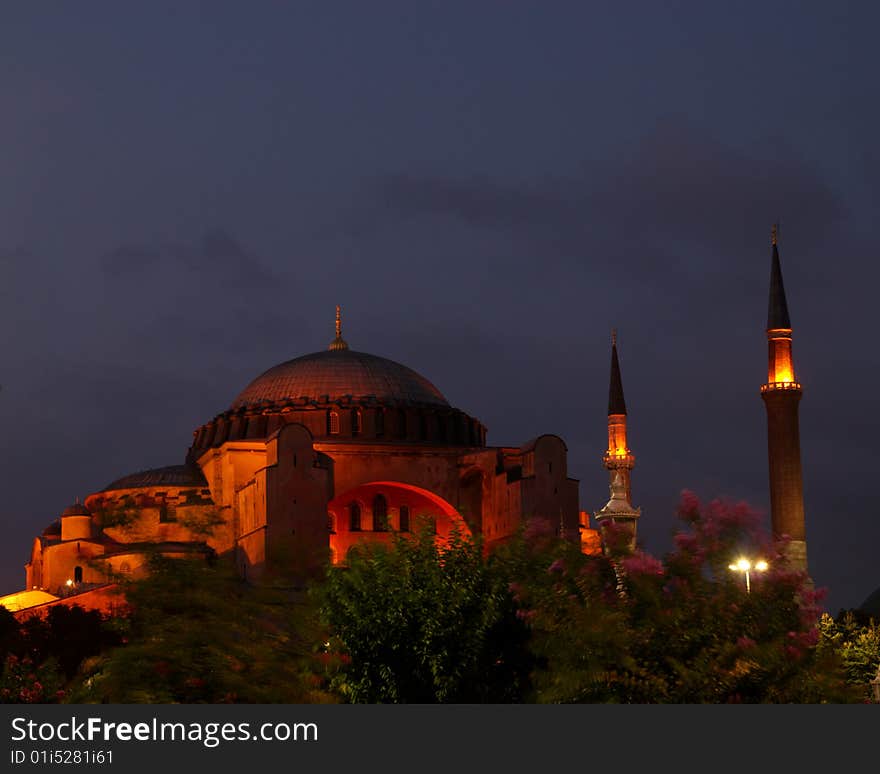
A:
<point x="421" y="504"/>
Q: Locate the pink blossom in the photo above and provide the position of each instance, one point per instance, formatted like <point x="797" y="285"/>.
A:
<point x="689" y="506"/>
<point x="641" y="563"/>
<point x="809" y="638"/>
<point x="558" y="566"/>
<point x="745" y="643"/>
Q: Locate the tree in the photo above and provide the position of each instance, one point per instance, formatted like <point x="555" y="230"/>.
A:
<point x="626" y="627"/>
<point x="198" y="633"/>
<point x="423" y="620"/>
<point x="858" y="646"/>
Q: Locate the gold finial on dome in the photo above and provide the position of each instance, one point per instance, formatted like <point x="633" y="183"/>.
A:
<point x="773" y="234"/>
<point x="338" y="342"/>
<point x="614" y="337"/>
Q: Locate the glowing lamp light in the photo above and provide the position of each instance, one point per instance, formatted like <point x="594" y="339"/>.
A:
<point x="69" y="582"/>
<point x="745" y="566"/>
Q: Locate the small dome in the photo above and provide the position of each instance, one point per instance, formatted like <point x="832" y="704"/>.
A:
<point x="173" y="475"/>
<point x="77" y="509"/>
<point x="338" y="373"/>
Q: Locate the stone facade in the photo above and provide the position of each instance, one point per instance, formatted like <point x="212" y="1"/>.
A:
<point x="316" y="456"/>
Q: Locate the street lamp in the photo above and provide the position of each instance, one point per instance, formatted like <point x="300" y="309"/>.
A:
<point x="745" y="566"/>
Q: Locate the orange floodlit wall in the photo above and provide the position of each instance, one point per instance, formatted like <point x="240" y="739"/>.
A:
<point x="353" y="517"/>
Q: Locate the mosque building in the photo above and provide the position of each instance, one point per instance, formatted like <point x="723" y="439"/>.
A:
<point x="339" y="448"/>
<point x="314" y="456"/>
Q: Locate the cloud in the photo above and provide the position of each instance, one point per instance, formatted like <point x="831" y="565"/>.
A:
<point x="678" y="184"/>
<point x="477" y="201"/>
<point x="127" y="260"/>
<point x="216" y="257"/>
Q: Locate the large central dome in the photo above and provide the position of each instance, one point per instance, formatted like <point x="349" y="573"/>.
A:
<point x="341" y="396"/>
<point x="338" y="373"/>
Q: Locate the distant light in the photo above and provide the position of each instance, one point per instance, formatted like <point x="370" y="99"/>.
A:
<point x="745" y="566"/>
<point x="69" y="582"/>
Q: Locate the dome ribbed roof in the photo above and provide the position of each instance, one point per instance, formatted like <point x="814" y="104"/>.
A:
<point x="338" y="373"/>
<point x="173" y="475"/>
<point x="77" y="509"/>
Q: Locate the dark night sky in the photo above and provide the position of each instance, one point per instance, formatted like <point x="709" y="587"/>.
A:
<point x="187" y="190"/>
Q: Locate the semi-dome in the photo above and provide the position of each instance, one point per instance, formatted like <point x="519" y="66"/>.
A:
<point x="172" y="475"/>
<point x="339" y="373"/>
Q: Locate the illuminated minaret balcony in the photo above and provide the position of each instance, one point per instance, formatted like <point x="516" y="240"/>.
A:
<point x="780" y="370"/>
<point x="618" y="454"/>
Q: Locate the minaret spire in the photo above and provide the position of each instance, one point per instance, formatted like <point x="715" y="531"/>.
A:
<point x="777" y="310"/>
<point x="782" y="395"/>
<point x="338" y="342"/>
<point x="616" y="403"/>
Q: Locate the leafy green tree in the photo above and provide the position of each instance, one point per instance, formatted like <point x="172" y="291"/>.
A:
<point x="67" y="634"/>
<point x="424" y="621"/>
<point x="198" y="633"/>
<point x="858" y="646"/>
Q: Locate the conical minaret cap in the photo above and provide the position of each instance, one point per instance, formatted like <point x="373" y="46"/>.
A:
<point x="777" y="313"/>
<point x="616" y="403"/>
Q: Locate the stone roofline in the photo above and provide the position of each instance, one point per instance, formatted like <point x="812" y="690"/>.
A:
<point x="341" y="421"/>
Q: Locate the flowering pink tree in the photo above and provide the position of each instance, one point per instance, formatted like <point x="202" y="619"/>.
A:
<point x="627" y="627"/>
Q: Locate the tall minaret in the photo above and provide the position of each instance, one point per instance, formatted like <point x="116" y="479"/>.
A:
<point x="782" y="394"/>
<point x="618" y="457"/>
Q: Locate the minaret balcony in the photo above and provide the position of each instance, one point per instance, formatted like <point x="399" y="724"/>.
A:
<point x="619" y="459"/>
<point x="771" y="386"/>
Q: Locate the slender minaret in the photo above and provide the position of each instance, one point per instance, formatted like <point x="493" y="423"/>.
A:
<point x="338" y="343"/>
<point x="618" y="457"/>
<point x="782" y="394"/>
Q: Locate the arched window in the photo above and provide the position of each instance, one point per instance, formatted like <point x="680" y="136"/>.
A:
<point x="355" y="421"/>
<point x="331" y="524"/>
<point x="401" y="423"/>
<point x="441" y="428"/>
<point x="77" y="574"/>
<point x="333" y="423"/>
<point x="380" y="513"/>
<point x="380" y="422"/>
<point x="404" y="518"/>
<point x="354" y="517"/>
<point x="423" y="427"/>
